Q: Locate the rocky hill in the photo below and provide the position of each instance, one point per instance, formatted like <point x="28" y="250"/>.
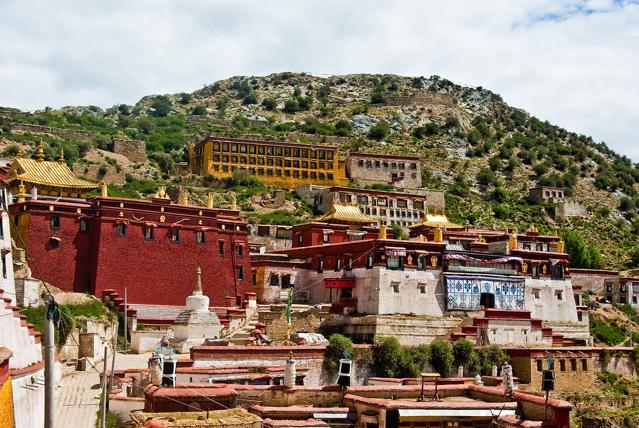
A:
<point x="483" y="152"/>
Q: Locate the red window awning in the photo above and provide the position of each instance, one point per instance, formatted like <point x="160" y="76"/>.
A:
<point x="339" y="282"/>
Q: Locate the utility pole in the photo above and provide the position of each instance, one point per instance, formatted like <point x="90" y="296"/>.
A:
<point x="115" y="347"/>
<point x="126" y="322"/>
<point x="49" y="362"/>
<point x="105" y="382"/>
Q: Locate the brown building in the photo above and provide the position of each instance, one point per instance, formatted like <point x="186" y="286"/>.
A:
<point x="273" y="162"/>
<point x="400" y="171"/>
<point x="546" y="195"/>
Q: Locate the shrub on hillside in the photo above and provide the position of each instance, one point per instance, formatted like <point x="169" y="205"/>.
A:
<point x="379" y="131"/>
<point x="338" y="347"/>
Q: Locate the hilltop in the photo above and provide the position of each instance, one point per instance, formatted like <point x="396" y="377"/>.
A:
<point x="483" y="152"/>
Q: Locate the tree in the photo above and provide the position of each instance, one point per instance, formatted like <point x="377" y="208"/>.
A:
<point x="398" y="231"/>
<point x="582" y="255"/>
<point x="343" y="128"/>
<point x="338" y="346"/>
<point x="250" y="99"/>
<point x="185" y="98"/>
<point x="269" y="104"/>
<point x="390" y="359"/>
<point x="489" y="356"/>
<point x="199" y="111"/>
<point x="146" y="125"/>
<point x="441" y="357"/>
<point x="161" y="106"/>
<point x="291" y="106"/>
<point x="379" y="131"/>
<point x="377" y="97"/>
<point x="464" y="354"/>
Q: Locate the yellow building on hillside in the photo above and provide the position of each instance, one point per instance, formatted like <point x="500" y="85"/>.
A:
<point x="272" y="162"/>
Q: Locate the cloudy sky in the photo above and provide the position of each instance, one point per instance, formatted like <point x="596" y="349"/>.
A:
<point x="574" y="63"/>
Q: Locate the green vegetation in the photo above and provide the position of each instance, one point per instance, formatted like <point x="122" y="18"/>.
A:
<point x="582" y="255"/>
<point x="338" y="347"/>
<point x="91" y="309"/>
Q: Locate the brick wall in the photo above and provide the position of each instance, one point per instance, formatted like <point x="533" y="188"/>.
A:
<point x="134" y="150"/>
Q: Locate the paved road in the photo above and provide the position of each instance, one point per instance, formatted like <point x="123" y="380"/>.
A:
<point x="78" y="395"/>
<point x="77" y="399"/>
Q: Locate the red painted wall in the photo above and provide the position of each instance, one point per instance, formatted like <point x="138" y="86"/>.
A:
<point x="154" y="271"/>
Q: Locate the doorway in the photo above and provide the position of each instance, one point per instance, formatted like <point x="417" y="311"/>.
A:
<point x="487" y="300"/>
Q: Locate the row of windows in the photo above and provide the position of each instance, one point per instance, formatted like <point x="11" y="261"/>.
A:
<point x="562" y="365"/>
<point x="277" y="172"/>
<point x="381" y="201"/>
<point x="274" y="162"/>
<point x="385" y="164"/>
<point x="273" y="151"/>
<point x="392" y="263"/>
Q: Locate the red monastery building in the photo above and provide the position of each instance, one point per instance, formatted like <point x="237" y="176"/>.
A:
<point x="151" y="247"/>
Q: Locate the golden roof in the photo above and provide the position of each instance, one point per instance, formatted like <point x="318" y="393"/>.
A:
<point x="46" y="173"/>
<point x="346" y="213"/>
<point x="436" y="220"/>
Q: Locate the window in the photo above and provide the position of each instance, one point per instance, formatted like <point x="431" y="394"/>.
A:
<point x="4" y="266"/>
<point x="622" y="288"/>
<point x="325" y="238"/>
<point x="263" y="230"/>
<point x="149" y="233"/>
<point x="84" y="225"/>
<point x="584" y="364"/>
<point x="200" y="238"/>
<point x="395" y="286"/>
<point x="120" y="229"/>
<point x="286" y="281"/>
<point x="562" y="365"/>
<point x="362" y="200"/>
<point x="239" y="251"/>
<point x="338" y="262"/>
<point x="573" y="364"/>
<point x="349" y="263"/>
<point x="393" y="262"/>
<point x="534" y="271"/>
<point x="609" y="288"/>
<point x="422" y="288"/>
<point x="401" y="203"/>
<point x="536" y="293"/>
<point x="320" y="265"/>
<point x="54" y="222"/>
<point x="220" y="247"/>
<point x="540" y="365"/>
<point x="369" y="261"/>
<point x="239" y="272"/>
<point x="175" y="235"/>
<point x="274" y="280"/>
<point x="559" y="294"/>
<point x="540" y="247"/>
<point x="283" y="233"/>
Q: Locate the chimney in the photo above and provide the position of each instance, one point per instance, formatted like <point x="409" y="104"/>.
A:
<point x="382" y="231"/>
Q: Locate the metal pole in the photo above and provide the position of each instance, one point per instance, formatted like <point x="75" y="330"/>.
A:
<point x="49" y="362"/>
<point x="105" y="380"/>
<point x="115" y="346"/>
<point x="126" y="322"/>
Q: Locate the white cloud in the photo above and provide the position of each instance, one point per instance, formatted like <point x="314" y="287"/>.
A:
<point x="573" y="63"/>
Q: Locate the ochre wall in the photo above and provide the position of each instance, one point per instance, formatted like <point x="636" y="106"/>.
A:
<point x="6" y="404"/>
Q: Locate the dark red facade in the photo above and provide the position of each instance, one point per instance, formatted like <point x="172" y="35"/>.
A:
<point x="150" y="247"/>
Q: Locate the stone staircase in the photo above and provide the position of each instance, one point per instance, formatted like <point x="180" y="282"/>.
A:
<point x="510" y="327"/>
<point x="18" y="335"/>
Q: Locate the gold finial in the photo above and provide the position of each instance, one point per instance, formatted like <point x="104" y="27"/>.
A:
<point x="61" y="158"/>
<point x="439" y="235"/>
<point x="209" y="200"/>
<point x="22" y="193"/>
<point x="233" y="203"/>
<point x="554" y="232"/>
<point x="197" y="290"/>
<point x="161" y="194"/>
<point x="40" y="155"/>
<point x="421" y="238"/>
<point x="104" y="190"/>
<point x="382" y="231"/>
<point x="19" y="154"/>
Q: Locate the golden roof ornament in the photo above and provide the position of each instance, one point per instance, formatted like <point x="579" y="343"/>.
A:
<point x="382" y="231"/>
<point x="22" y="192"/>
<point x="19" y="154"/>
<point x="40" y="153"/>
<point x="233" y="203"/>
<point x="104" y="190"/>
<point x="197" y="290"/>
<point x="161" y="193"/>
<point x="209" y="200"/>
<point x="183" y="198"/>
<point x="61" y="158"/>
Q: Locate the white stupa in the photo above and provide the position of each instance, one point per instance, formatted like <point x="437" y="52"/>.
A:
<point x="196" y="323"/>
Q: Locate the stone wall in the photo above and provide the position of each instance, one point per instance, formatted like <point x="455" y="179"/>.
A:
<point x="305" y="321"/>
<point x="594" y="280"/>
<point x="63" y="133"/>
<point x="569" y="379"/>
<point x="567" y="209"/>
<point x="134" y="150"/>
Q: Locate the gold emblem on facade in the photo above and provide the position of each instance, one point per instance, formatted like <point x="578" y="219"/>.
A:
<point x="162" y="218"/>
<point x="433" y="261"/>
